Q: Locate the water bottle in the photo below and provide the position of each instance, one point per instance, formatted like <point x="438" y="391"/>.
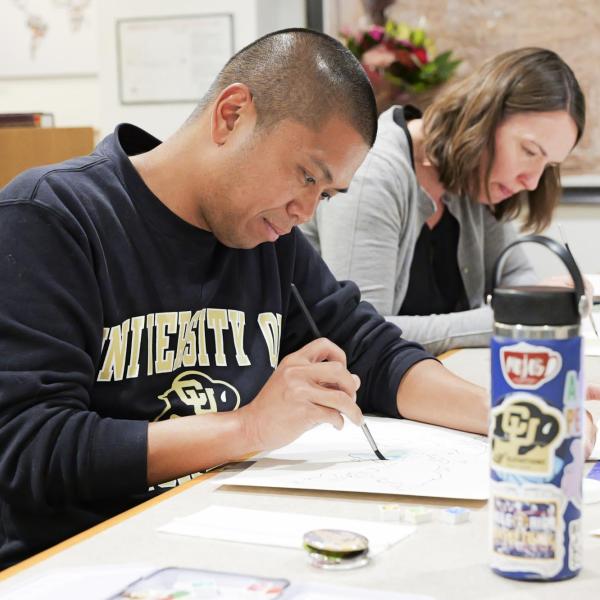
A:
<point x="536" y="425"/>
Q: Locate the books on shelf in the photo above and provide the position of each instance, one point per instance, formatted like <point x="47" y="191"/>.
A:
<point x="30" y="119"/>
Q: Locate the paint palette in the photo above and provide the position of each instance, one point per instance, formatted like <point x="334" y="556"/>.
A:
<point x="195" y="584"/>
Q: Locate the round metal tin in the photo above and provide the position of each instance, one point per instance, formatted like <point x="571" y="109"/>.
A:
<point x="336" y="549"/>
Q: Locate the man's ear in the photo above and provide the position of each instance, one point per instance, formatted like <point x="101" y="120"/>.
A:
<point x="232" y="106"/>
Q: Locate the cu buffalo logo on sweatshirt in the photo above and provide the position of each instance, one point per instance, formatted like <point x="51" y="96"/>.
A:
<point x="194" y="392"/>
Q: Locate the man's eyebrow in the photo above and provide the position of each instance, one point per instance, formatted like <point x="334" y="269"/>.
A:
<point x="326" y="173"/>
<point x="324" y="168"/>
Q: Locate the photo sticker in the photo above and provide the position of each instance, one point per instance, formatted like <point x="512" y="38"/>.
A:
<point x="525" y="529"/>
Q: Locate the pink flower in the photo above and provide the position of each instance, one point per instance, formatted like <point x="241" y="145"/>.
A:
<point x="378" y="57"/>
<point x="377" y="32"/>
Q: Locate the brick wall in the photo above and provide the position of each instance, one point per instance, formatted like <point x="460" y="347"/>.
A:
<point x="478" y="29"/>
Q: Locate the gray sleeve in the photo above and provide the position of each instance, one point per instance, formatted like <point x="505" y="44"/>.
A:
<point x="359" y="232"/>
<point x="438" y="333"/>
<point x="517" y="268"/>
<point x="472" y="328"/>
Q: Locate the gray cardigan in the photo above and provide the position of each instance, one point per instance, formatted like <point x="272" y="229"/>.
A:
<point x="368" y="235"/>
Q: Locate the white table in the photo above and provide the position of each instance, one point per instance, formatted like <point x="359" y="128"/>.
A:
<point x="444" y="561"/>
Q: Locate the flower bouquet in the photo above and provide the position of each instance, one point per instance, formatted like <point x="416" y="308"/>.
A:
<point x="401" y="62"/>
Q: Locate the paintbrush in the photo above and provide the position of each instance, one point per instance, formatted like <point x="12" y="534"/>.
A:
<point x="315" y="331"/>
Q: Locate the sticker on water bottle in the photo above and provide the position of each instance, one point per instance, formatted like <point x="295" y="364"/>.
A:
<point x="527" y="534"/>
<point x="529" y="367"/>
<point x="573" y="409"/>
<point x="575" y="544"/>
<point x="525" y="434"/>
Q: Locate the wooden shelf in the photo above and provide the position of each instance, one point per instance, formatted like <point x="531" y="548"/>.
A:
<point x="24" y="147"/>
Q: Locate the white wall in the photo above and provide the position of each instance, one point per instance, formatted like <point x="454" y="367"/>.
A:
<point x="74" y="101"/>
<point x="580" y="225"/>
<point x="93" y="100"/>
<point x="251" y="19"/>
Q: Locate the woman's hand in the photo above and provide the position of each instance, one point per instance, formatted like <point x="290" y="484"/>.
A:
<point x="590" y="430"/>
<point x="567" y="281"/>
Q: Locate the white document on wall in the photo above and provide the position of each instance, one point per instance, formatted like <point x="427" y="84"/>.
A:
<point x="423" y="460"/>
<point x="171" y="59"/>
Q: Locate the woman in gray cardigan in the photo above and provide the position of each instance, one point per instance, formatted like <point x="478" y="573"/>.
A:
<point x="429" y="210"/>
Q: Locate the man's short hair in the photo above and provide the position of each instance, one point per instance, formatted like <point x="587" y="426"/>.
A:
<point x="302" y="75"/>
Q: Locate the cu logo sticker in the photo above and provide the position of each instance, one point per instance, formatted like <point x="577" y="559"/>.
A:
<point x="525" y="434"/>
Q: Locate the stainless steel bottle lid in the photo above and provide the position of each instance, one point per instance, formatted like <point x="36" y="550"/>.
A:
<point x="336" y="549"/>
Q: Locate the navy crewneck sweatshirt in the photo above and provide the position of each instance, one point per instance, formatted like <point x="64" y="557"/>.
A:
<point x="114" y="312"/>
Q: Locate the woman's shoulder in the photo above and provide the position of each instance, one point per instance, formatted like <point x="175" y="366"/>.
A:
<point x="390" y="152"/>
<point x="391" y="134"/>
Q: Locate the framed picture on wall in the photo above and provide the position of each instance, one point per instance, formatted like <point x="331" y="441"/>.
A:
<point x="48" y="38"/>
<point x="171" y="59"/>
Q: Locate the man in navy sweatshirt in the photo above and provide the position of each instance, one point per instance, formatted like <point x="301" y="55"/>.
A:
<point x="151" y="280"/>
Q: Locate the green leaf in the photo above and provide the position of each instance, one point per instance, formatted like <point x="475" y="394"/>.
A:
<point x="402" y="32"/>
<point x="417" y="37"/>
<point x="354" y="48"/>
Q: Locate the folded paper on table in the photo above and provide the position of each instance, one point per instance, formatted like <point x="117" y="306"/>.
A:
<point x="273" y="528"/>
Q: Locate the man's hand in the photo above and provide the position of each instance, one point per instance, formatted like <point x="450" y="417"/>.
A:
<point x="309" y="387"/>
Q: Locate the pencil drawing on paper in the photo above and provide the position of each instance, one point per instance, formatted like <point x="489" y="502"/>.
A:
<point x="423" y="460"/>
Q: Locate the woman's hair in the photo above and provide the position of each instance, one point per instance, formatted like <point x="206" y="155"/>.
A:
<point x="460" y="125"/>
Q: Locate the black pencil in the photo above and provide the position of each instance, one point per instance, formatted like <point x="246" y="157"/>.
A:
<point x="315" y="331"/>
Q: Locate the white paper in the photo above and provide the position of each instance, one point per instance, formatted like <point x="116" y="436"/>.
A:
<point x="591" y="342"/>
<point x="92" y="583"/>
<point x="271" y="528"/>
<point x="423" y="460"/>
<point x="591" y="346"/>
<point x="591" y="491"/>
<point x="595" y="454"/>
<point x="594" y="279"/>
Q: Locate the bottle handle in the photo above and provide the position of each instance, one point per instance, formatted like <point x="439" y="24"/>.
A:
<point x="565" y="256"/>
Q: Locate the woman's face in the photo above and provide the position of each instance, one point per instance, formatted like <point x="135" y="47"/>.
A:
<point x="525" y="144"/>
